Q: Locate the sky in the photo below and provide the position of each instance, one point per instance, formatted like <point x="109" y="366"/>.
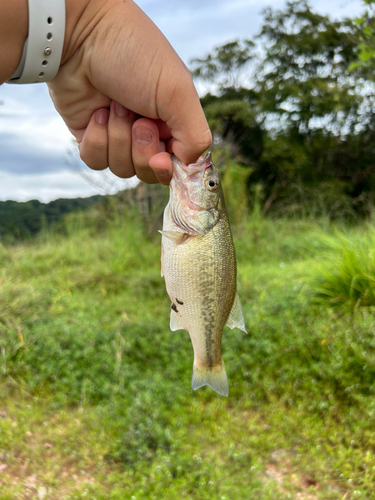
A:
<point x="38" y="158"/>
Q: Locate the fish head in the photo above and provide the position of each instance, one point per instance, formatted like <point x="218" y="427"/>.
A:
<point x="196" y="198"/>
<point x="197" y="184"/>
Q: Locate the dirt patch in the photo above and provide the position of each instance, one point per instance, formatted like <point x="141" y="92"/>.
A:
<point x="280" y="469"/>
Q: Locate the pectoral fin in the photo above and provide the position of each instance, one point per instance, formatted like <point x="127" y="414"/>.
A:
<point x="175" y="323"/>
<point x="236" y="319"/>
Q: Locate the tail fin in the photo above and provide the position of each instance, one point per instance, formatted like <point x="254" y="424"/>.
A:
<point x="215" y="377"/>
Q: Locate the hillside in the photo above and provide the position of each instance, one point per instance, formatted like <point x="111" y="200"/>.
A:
<point x="95" y="397"/>
<point x="24" y="219"/>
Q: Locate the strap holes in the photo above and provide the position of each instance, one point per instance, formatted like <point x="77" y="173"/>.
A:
<point x="41" y="74"/>
<point x="49" y="36"/>
<point x="44" y="63"/>
<point x="49" y="20"/>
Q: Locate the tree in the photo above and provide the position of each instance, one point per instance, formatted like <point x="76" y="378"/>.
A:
<point x="226" y="65"/>
<point x="366" y="40"/>
<point x="304" y="80"/>
<point x="315" y="108"/>
<point x="301" y="116"/>
<point x="229" y="107"/>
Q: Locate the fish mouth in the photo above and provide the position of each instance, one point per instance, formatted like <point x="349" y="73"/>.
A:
<point x="183" y="171"/>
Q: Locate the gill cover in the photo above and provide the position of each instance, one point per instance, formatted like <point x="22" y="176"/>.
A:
<point x="196" y="197"/>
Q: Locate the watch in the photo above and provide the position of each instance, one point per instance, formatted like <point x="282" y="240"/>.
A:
<point x="43" y="47"/>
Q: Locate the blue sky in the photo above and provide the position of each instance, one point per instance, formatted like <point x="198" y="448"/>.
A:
<point x="38" y="159"/>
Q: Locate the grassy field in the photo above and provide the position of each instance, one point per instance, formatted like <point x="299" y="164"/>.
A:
<point x="95" y="389"/>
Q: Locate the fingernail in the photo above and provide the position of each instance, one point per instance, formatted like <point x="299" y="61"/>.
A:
<point x="120" y="110"/>
<point x="101" y="116"/>
<point x="143" y="135"/>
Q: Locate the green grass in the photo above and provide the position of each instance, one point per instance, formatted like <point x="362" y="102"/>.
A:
<point x="95" y="390"/>
<point x="348" y="277"/>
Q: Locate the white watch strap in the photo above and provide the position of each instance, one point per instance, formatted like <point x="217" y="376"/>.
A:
<point x="42" y="51"/>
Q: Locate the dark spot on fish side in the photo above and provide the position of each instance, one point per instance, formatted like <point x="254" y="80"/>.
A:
<point x="179" y="301"/>
<point x="174" y="308"/>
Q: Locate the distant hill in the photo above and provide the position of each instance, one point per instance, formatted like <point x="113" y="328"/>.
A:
<point x="19" y="221"/>
<point x="22" y="220"/>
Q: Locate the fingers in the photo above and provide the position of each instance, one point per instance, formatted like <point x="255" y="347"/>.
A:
<point x="145" y="145"/>
<point x="114" y="139"/>
<point x="160" y="86"/>
<point x="120" y="141"/>
<point x="161" y="164"/>
<point x="185" y="117"/>
<point x="94" y="146"/>
<point x="124" y="57"/>
<point x="130" y="147"/>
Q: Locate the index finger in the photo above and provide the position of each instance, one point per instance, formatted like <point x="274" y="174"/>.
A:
<point x="183" y="113"/>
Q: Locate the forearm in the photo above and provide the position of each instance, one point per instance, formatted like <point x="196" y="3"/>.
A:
<point x="14" y="19"/>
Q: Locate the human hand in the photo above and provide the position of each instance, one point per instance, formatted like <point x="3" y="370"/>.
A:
<point x="125" y="94"/>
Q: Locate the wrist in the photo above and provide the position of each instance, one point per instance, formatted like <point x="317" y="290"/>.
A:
<point x="81" y="17"/>
<point x="13" y="33"/>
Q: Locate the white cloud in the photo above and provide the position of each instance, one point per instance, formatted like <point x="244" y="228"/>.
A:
<point x="63" y="184"/>
<point x="38" y="129"/>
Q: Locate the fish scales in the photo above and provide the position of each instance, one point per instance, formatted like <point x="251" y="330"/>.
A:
<point x="199" y="283"/>
<point x="199" y="267"/>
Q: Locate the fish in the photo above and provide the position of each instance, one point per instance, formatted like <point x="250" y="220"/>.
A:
<point x="198" y="262"/>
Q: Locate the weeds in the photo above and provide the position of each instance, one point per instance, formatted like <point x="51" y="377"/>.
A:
<point x="347" y="276"/>
<point x="96" y="398"/>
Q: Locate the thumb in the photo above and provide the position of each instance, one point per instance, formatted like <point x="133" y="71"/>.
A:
<point x="184" y="116"/>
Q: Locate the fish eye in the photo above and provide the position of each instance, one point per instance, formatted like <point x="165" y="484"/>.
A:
<point x="211" y="185"/>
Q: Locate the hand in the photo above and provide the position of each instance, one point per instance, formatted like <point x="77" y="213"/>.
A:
<point x="125" y="94"/>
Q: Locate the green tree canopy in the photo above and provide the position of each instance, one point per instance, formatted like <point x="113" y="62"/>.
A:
<point x="226" y="64"/>
<point x="366" y="40"/>
<point x="304" y="79"/>
<point x="290" y="108"/>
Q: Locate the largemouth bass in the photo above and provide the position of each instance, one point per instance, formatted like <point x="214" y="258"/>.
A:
<point x="199" y="267"/>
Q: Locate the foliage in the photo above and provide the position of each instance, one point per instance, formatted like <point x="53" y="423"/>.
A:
<point x="300" y="117"/>
<point x="95" y="389"/>
<point x="226" y="63"/>
<point x="366" y="40"/>
<point x="234" y="182"/>
<point x="21" y="220"/>
<point x="231" y="119"/>
<point x="305" y="81"/>
<point x="348" y="278"/>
